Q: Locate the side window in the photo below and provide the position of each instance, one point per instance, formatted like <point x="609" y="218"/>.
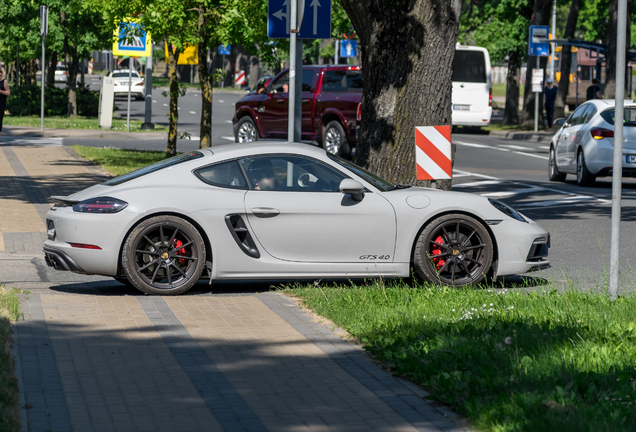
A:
<point x="589" y="113"/>
<point x="290" y="174"/>
<point x="227" y="174"/>
<point x="342" y="81"/>
<point x="308" y="81"/>
<point x="575" y="118"/>
<point x="281" y="85"/>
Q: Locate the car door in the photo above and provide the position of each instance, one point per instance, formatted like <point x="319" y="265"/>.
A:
<point x="577" y="133"/>
<point x="564" y="157"/>
<point x="273" y="110"/>
<point x="304" y="218"/>
<point x="308" y="92"/>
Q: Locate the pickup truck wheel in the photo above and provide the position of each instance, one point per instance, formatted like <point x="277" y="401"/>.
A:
<point x="246" y="130"/>
<point x="335" y="140"/>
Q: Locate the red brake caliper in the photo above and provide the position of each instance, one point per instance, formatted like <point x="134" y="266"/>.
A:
<point x="177" y="244"/>
<point x="439" y="262"/>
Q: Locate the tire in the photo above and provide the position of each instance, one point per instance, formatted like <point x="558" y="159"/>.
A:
<point x="246" y="130"/>
<point x="334" y="140"/>
<point x="463" y="241"/>
<point x="553" y="170"/>
<point x="583" y="176"/>
<point x="163" y="255"/>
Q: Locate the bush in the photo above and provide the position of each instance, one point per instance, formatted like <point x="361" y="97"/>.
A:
<point x="25" y="100"/>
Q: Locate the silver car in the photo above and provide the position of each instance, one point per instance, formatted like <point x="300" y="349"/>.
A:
<point x="282" y="211"/>
<point x="584" y="145"/>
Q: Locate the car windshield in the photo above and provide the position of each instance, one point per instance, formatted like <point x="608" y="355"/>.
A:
<point x="175" y="160"/>
<point x="629" y="116"/>
<point x="376" y="181"/>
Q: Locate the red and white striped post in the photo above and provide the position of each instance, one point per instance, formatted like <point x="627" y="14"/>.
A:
<point x="433" y="153"/>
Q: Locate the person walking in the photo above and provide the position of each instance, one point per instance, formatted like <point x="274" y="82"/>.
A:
<point x="550" y="92"/>
<point x="593" y="91"/>
<point x="4" y="92"/>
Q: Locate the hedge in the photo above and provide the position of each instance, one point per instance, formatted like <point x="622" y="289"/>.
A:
<point x="25" y="100"/>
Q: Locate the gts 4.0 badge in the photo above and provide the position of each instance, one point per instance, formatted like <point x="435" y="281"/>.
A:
<point x="375" y="257"/>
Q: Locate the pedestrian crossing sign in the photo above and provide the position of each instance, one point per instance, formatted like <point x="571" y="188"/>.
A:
<point x="131" y="40"/>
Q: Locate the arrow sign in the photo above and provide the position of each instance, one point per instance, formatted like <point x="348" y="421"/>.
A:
<point x="349" y="48"/>
<point x="315" y="24"/>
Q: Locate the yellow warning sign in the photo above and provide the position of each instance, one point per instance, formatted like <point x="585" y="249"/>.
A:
<point x="190" y="56"/>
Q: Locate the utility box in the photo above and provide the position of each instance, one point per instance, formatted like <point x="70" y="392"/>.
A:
<point x="106" y="103"/>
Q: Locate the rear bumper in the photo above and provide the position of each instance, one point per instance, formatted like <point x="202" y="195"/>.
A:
<point x="472" y="118"/>
<point x="599" y="158"/>
<point x="59" y="260"/>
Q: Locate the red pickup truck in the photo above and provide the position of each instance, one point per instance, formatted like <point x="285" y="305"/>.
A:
<point x="331" y="108"/>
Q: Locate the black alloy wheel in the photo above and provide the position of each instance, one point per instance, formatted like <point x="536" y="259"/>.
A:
<point x="553" y="170"/>
<point x="454" y="250"/>
<point x="163" y="255"/>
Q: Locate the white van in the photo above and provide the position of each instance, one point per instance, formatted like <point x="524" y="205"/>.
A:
<point x="472" y="86"/>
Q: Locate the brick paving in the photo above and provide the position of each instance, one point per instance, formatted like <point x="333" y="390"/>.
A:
<point x="92" y="355"/>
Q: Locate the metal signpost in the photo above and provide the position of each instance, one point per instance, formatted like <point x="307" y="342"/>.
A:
<point x="148" y="124"/>
<point x="136" y="44"/>
<point x="617" y="174"/>
<point x="539" y="46"/>
<point x="224" y="50"/>
<point x="297" y="20"/>
<point x="44" y="29"/>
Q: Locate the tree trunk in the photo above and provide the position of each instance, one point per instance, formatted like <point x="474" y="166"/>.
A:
<point x="72" y="68"/>
<point x="50" y="78"/>
<point x="609" y="89"/>
<point x="541" y="16"/>
<point x="205" y="131"/>
<point x="171" y="147"/>
<point x="407" y="50"/>
<point x="566" y="61"/>
<point x="511" y="111"/>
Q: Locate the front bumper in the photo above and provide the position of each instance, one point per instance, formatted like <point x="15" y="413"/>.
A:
<point x="522" y="247"/>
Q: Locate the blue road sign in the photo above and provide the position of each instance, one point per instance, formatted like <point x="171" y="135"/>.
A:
<point x="316" y="19"/>
<point x="348" y="48"/>
<point x="225" y="49"/>
<point x="136" y="45"/>
<point x="536" y="46"/>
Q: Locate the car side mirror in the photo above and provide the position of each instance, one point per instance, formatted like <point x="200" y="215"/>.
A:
<point x="353" y="188"/>
<point x="559" y="122"/>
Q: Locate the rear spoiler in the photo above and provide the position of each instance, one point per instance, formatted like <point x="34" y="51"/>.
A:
<point x="64" y="201"/>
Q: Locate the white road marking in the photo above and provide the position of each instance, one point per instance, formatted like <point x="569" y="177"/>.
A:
<point x="30" y="141"/>
<point x="221" y="101"/>
<point x="228" y="121"/>
<point x="532" y="155"/>
<point x="512" y="192"/>
<point x="192" y="112"/>
<point x="516" y="147"/>
<point x="573" y="198"/>
<point x="544" y="147"/>
<point x="192" y="138"/>
<point x="228" y="138"/>
<point x="154" y="101"/>
<point x="165" y="104"/>
<point x="471" y="144"/>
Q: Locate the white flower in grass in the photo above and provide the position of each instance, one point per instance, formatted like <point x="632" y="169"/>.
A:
<point x="512" y="307"/>
<point x="618" y="379"/>
<point x="453" y="310"/>
<point x="490" y="304"/>
<point x="508" y="340"/>
<point x="484" y="306"/>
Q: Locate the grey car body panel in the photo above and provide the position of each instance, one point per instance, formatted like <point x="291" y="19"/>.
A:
<point x="310" y="234"/>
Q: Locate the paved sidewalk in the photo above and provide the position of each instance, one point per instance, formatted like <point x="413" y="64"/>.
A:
<point x="94" y="355"/>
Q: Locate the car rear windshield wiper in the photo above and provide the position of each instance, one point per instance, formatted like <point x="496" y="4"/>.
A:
<point x="398" y="186"/>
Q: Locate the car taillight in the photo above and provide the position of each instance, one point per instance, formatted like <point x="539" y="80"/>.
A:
<point x="359" y="115"/>
<point x="490" y="97"/>
<point x="139" y="84"/>
<point x="84" y="246"/>
<point x="600" y="133"/>
<point x="100" y="205"/>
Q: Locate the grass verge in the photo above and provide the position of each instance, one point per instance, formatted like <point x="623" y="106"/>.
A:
<point x="119" y="161"/>
<point x="78" y="122"/>
<point x="9" y="392"/>
<point x="508" y="361"/>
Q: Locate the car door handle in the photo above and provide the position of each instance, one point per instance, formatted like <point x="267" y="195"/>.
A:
<point x="265" y="212"/>
<point x="305" y="100"/>
<point x="280" y="100"/>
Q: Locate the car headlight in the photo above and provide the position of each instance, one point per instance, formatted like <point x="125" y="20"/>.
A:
<point x="100" y="205"/>
<point x="507" y="210"/>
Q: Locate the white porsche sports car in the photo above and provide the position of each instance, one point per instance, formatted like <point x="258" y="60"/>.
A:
<point x="282" y="211"/>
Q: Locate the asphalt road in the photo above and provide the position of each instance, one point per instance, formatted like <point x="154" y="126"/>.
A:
<point x="578" y="218"/>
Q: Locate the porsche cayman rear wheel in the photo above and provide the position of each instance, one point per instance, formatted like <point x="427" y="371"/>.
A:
<point x="163" y="255"/>
<point x="454" y="250"/>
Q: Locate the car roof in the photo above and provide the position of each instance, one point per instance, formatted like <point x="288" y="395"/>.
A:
<point x="230" y="151"/>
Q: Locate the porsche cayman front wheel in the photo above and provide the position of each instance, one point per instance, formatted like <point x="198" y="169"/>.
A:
<point x="163" y="255"/>
<point x="453" y="250"/>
